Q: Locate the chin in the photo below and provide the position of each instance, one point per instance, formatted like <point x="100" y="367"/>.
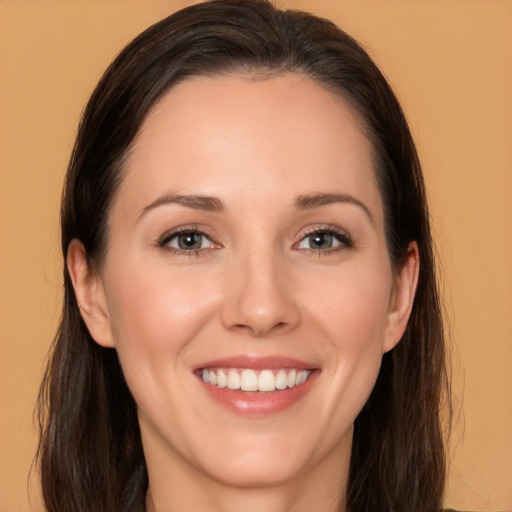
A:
<point x="260" y="470"/>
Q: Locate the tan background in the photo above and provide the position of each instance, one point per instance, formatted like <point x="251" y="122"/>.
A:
<point x="450" y="63"/>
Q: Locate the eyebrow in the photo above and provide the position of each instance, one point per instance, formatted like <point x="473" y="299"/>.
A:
<point x="305" y="202"/>
<point x="213" y="204"/>
<point x="196" y="202"/>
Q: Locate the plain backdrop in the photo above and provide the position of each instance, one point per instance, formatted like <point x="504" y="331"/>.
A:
<point x="450" y="63"/>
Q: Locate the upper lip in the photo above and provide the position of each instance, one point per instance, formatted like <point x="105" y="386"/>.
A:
<point x="257" y="363"/>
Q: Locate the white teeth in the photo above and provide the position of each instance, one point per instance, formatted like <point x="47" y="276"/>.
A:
<point x="266" y="381"/>
<point x="291" y="378"/>
<point x="222" y="380"/>
<point x="281" y="380"/>
<point x="251" y="380"/>
<point x="233" y="381"/>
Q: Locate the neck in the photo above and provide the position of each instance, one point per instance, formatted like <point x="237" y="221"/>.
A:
<point x="185" y="489"/>
<point x="320" y="498"/>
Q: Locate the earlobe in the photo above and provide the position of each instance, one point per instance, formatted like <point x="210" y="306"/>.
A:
<point x="403" y="298"/>
<point x="90" y="294"/>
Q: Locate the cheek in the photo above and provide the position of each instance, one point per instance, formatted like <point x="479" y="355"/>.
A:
<point x="154" y="314"/>
<point x="353" y="306"/>
<point x="351" y="312"/>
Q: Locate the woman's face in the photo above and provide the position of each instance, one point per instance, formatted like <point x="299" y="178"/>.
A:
<point x="246" y="246"/>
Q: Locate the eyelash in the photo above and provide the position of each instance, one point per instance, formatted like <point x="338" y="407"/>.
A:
<point x="344" y="239"/>
<point x="166" y="238"/>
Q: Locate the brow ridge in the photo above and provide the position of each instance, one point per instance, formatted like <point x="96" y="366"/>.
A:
<point x="196" y="202"/>
<point x="307" y="201"/>
<point x="214" y="204"/>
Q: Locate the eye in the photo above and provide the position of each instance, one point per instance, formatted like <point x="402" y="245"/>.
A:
<point x="325" y="240"/>
<point x="186" y="241"/>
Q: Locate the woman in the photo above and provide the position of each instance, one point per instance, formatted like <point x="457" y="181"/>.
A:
<point x="251" y="318"/>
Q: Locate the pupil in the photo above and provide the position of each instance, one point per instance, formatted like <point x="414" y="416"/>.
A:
<point x="322" y="240"/>
<point x="189" y="241"/>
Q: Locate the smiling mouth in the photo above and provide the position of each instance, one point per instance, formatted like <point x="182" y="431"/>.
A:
<point x="246" y="379"/>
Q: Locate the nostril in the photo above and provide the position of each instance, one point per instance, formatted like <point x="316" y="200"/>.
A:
<point x="241" y="327"/>
<point x="260" y="331"/>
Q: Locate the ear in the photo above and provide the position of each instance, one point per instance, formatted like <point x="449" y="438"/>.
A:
<point x="90" y="294"/>
<point x="402" y="298"/>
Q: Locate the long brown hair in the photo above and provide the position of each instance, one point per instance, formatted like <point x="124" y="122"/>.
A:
<point x="90" y="453"/>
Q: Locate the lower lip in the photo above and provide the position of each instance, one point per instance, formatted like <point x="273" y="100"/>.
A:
<point x="254" y="403"/>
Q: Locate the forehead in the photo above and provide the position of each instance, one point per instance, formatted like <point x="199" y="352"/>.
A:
<point x="212" y="135"/>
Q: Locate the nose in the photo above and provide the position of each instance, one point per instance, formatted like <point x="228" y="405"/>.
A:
<point x="260" y="299"/>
